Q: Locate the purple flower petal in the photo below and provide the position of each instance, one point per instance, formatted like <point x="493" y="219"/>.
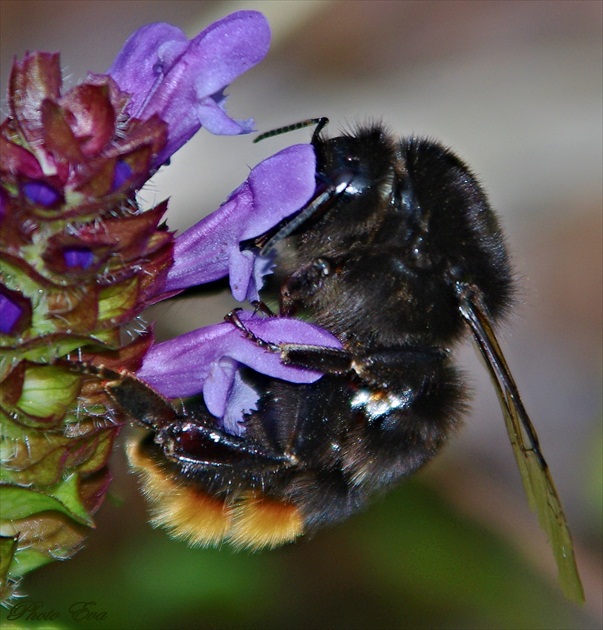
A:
<point x="10" y="314"/>
<point x="242" y="399"/>
<point x="3" y="204"/>
<point x="121" y="174"/>
<point x="41" y="193"/>
<point x="242" y="277"/>
<point x="143" y="61"/>
<point x="218" y="385"/>
<point x="227" y="396"/>
<point x="276" y="188"/>
<point x="78" y="257"/>
<point x="15" y="311"/>
<point x="183" y="81"/>
<point x="205" y="360"/>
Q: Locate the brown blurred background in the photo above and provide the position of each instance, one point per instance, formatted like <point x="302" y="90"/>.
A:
<point x="516" y="89"/>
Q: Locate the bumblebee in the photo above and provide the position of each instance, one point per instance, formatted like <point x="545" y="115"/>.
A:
<point x="398" y="234"/>
<point x="400" y="256"/>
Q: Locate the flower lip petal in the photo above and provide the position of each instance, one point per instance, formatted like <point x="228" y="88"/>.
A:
<point x="216" y="120"/>
<point x="281" y="185"/>
<point x="229" y="47"/>
<point x="182" y="366"/>
<point x="218" y="385"/>
<point x="242" y="399"/>
<point x="288" y="330"/>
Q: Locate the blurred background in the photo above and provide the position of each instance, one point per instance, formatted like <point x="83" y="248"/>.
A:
<point x="516" y="89"/>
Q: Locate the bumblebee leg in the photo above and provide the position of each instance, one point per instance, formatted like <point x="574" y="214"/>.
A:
<point x="376" y="368"/>
<point x="320" y="358"/>
<point x="233" y="318"/>
<point x="196" y="446"/>
<point x="303" y="284"/>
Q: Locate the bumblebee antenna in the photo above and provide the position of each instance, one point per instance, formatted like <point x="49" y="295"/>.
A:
<point x="319" y="122"/>
<point x="317" y="203"/>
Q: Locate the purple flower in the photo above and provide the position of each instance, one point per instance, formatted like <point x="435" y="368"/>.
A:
<point x="10" y="314"/>
<point x="41" y="193"/>
<point x="121" y="174"/>
<point x="183" y="81"/>
<point x="15" y="311"/>
<point x="207" y="360"/>
<point x="276" y="188"/>
<point x="78" y="257"/>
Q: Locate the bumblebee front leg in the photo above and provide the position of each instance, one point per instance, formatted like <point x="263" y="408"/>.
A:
<point x="319" y="358"/>
<point x="378" y="368"/>
<point x="304" y="284"/>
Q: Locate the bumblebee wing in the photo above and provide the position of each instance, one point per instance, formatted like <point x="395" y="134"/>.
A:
<point x="535" y="473"/>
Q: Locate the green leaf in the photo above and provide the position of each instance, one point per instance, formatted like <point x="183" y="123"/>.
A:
<point x="117" y="300"/>
<point x="48" y="391"/>
<point x="67" y="492"/>
<point x="8" y="546"/>
<point x="28" y="559"/>
<point x="17" y="502"/>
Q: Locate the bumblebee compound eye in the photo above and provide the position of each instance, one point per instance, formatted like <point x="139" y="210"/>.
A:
<point x="362" y="160"/>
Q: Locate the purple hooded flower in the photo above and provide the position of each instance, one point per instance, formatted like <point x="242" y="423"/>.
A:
<point x="183" y="81"/>
<point x="275" y="189"/>
<point x="10" y="314"/>
<point x="207" y="360"/>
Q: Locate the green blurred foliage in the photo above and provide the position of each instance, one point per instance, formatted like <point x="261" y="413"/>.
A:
<point x="410" y="561"/>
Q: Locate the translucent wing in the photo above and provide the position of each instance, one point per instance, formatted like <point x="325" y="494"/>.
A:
<point x="535" y="474"/>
